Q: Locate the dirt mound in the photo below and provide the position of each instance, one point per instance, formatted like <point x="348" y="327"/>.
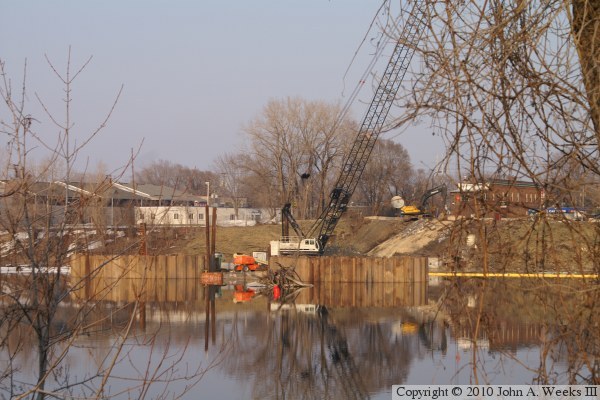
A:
<point x="360" y="235"/>
<point x="422" y="237"/>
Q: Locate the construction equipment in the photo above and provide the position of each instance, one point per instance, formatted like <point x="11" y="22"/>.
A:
<point x="244" y="262"/>
<point x="243" y="294"/>
<point x="316" y="239"/>
<point x="292" y="244"/>
<point x="422" y="209"/>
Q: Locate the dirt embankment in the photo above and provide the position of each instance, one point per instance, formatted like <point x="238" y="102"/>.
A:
<point x="378" y="237"/>
<point x="522" y="244"/>
<point x="386" y="237"/>
<point x="501" y="244"/>
<point x="423" y="237"/>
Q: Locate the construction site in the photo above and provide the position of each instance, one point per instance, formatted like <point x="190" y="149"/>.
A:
<point x="315" y="277"/>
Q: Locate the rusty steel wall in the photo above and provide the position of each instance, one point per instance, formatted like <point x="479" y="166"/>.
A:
<point x="356" y="269"/>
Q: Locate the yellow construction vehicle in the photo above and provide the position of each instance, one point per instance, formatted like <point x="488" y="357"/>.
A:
<point x="422" y="209"/>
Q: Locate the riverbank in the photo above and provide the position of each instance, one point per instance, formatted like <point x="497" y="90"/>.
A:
<point x="511" y="245"/>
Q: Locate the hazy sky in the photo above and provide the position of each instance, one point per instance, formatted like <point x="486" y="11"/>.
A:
<point x="193" y="72"/>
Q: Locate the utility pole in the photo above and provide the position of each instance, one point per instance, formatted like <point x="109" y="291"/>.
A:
<point x="207" y="193"/>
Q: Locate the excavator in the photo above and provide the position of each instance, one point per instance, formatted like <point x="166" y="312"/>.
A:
<point x="422" y="209"/>
<point x="315" y="240"/>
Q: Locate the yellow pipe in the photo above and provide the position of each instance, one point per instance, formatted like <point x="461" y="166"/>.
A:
<point x="513" y="275"/>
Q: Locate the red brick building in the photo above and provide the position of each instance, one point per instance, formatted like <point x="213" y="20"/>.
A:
<point x="496" y="198"/>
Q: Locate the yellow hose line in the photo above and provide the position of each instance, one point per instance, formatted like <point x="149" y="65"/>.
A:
<point x="513" y="275"/>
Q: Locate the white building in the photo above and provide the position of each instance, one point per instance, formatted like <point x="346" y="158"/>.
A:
<point x="196" y="216"/>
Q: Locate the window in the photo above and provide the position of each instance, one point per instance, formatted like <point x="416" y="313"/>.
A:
<point x="191" y="216"/>
<point x="232" y="217"/>
<point x="175" y="216"/>
<point x="200" y="217"/>
<point x="152" y="216"/>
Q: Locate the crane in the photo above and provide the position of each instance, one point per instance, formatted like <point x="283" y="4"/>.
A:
<point x="318" y="235"/>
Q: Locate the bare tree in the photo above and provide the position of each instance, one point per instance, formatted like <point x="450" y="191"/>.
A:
<point x="586" y="34"/>
<point x="276" y="150"/>
<point x="176" y="176"/>
<point x="512" y="87"/>
<point x="388" y="173"/>
<point x="502" y="84"/>
<point x="38" y="241"/>
<point x="326" y="135"/>
<point x="35" y="299"/>
<point x="294" y="147"/>
<point x="233" y="179"/>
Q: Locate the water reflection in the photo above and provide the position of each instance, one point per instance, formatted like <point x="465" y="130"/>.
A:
<point x="333" y="341"/>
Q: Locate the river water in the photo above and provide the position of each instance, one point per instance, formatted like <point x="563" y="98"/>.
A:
<point x="351" y="341"/>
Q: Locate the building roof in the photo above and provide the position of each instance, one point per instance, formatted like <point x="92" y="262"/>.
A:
<point x="488" y="185"/>
<point x="156" y="192"/>
<point x="106" y="189"/>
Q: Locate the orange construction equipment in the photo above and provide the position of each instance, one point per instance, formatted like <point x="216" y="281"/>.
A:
<point x="244" y="262"/>
<point x="242" y="294"/>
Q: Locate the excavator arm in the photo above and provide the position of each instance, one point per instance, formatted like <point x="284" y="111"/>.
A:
<point x="441" y="190"/>
<point x="422" y="209"/>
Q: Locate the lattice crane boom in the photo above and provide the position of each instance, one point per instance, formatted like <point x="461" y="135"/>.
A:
<point x="371" y="126"/>
<point x="316" y="238"/>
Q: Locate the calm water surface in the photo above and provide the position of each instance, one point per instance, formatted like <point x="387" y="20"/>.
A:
<point x="352" y="341"/>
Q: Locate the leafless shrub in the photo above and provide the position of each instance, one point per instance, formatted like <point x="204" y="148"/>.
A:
<point x="512" y="88"/>
<point x="45" y="313"/>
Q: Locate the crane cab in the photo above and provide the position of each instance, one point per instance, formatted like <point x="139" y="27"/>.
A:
<point x="294" y="245"/>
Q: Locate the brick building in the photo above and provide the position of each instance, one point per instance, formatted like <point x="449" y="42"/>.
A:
<point x="496" y="198"/>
